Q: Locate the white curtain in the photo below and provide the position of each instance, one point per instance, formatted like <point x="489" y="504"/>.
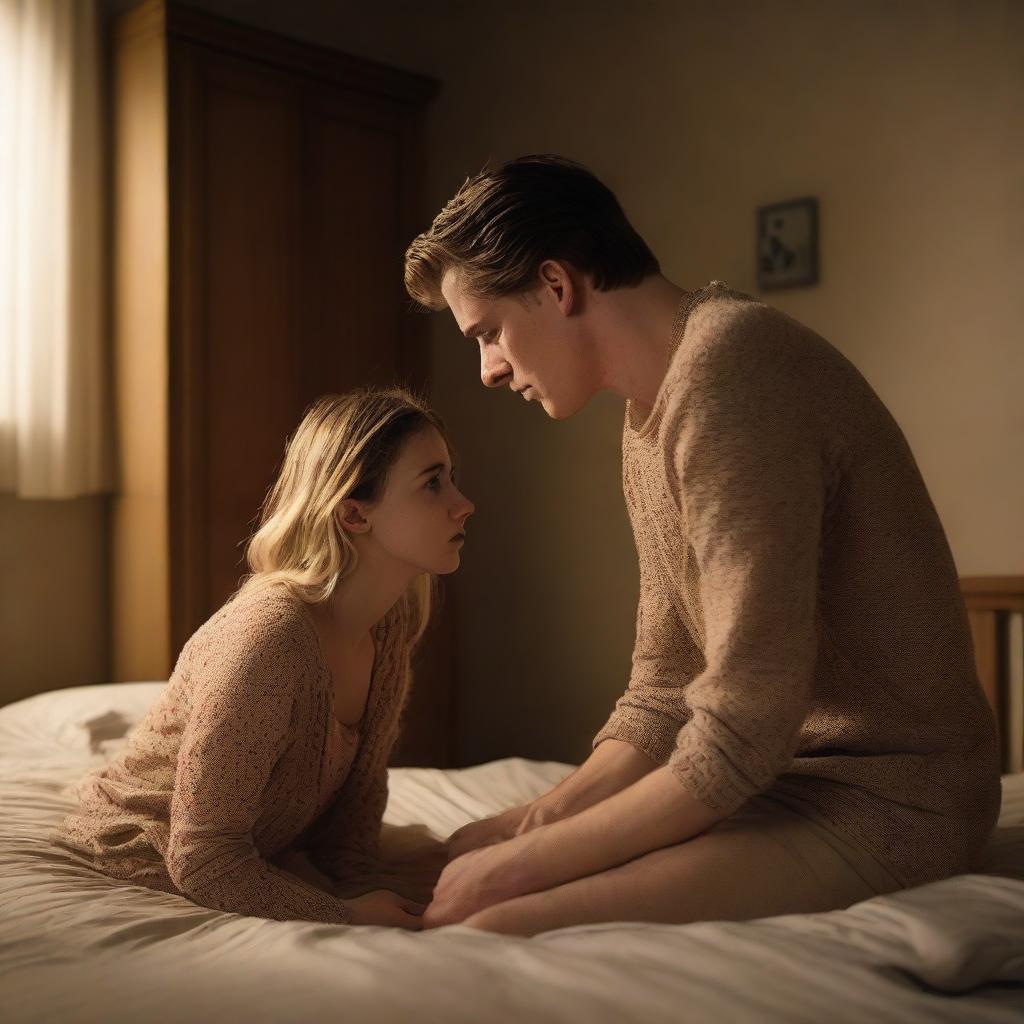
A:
<point x="54" y="427"/>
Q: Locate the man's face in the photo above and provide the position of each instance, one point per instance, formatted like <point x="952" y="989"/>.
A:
<point x="527" y="342"/>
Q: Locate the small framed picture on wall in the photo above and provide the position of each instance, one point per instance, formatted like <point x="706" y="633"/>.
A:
<point x="787" y="244"/>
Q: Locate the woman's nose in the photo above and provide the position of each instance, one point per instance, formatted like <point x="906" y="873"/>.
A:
<point x="465" y="510"/>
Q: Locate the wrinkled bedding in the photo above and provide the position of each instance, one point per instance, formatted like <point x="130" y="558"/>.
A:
<point x="76" y="946"/>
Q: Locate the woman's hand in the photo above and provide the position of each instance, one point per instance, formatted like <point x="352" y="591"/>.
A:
<point x="482" y="878"/>
<point x="482" y="833"/>
<point x="386" y="909"/>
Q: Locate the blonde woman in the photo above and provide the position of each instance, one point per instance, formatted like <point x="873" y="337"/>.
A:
<point x="274" y="731"/>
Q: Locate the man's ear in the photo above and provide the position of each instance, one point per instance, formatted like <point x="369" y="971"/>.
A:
<point x="561" y="283"/>
<point x="350" y="516"/>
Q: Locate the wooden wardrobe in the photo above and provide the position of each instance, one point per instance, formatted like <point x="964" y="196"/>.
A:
<point x="263" y="193"/>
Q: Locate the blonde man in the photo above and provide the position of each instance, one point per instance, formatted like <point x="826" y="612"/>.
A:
<point x="803" y="727"/>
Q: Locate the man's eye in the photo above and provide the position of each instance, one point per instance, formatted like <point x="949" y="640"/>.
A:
<point x="434" y="483"/>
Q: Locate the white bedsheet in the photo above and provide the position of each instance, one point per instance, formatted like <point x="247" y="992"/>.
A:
<point x="75" y="946"/>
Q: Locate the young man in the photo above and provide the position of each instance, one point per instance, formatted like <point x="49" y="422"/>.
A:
<point x="803" y="727"/>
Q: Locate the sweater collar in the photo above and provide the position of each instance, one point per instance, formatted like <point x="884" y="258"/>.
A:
<point x="634" y="419"/>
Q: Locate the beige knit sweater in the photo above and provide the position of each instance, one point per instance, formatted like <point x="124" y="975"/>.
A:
<point x="241" y="759"/>
<point x="800" y="629"/>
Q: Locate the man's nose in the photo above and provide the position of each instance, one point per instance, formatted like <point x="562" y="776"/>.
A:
<point x="494" y="370"/>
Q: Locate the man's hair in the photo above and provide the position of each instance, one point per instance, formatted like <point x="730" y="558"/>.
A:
<point x="504" y="223"/>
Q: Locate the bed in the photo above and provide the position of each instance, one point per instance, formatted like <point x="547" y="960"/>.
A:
<point x="79" y="947"/>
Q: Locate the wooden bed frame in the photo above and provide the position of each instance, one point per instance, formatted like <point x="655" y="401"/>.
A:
<point x="995" y="607"/>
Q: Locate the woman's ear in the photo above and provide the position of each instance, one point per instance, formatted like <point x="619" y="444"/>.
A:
<point x="350" y="516"/>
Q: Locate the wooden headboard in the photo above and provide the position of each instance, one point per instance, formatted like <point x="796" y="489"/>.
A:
<point x="995" y="607"/>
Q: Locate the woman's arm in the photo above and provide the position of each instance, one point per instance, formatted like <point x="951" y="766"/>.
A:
<point x="344" y="842"/>
<point x="235" y="734"/>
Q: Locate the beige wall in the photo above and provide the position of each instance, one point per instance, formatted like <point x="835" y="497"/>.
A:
<point x="53" y="595"/>
<point x="905" y="118"/>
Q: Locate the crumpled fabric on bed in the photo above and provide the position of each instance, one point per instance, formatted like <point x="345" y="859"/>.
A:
<point x="76" y="946"/>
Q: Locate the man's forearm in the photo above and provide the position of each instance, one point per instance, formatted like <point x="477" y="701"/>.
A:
<point x="652" y="813"/>
<point x="612" y="767"/>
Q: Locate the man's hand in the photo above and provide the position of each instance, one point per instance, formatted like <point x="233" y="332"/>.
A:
<point x="540" y="812"/>
<point x="482" y="833"/>
<point x="502" y="827"/>
<point x="480" y="879"/>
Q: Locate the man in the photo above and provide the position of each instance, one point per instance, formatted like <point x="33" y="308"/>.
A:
<point x="803" y="726"/>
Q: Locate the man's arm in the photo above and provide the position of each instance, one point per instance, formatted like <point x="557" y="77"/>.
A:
<point x="611" y="767"/>
<point x="751" y="463"/>
<point x="652" y="813"/>
<point x="666" y="658"/>
<point x="639" y="735"/>
<point x="750" y="469"/>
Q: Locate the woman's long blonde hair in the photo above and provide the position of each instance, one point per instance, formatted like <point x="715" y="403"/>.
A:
<point x="343" y="448"/>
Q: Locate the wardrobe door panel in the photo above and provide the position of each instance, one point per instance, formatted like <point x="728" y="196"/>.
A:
<point x="348" y="316"/>
<point x="249" y="214"/>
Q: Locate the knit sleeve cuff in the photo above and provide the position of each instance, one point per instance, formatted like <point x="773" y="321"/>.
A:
<point x="704" y="767"/>
<point x="648" y="731"/>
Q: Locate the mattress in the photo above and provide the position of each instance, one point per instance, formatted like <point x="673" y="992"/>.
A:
<point x="76" y="946"/>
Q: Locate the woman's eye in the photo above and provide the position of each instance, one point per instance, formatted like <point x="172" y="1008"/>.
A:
<point x="434" y="483"/>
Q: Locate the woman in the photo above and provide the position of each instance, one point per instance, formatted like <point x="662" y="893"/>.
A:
<point x="274" y="731"/>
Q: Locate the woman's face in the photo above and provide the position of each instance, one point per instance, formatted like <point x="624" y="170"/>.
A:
<point x="420" y="517"/>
